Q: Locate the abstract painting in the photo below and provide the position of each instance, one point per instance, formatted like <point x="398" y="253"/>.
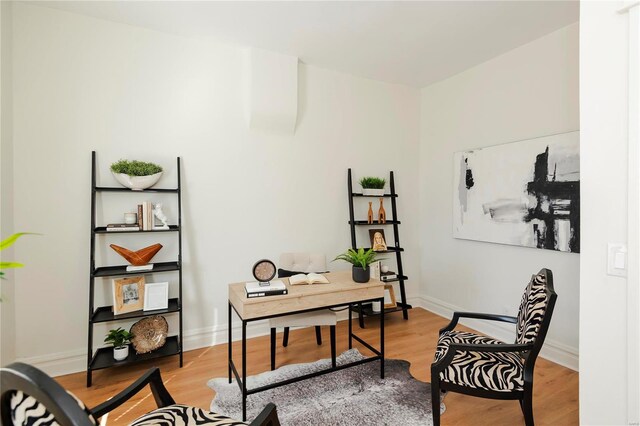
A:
<point x="523" y="193"/>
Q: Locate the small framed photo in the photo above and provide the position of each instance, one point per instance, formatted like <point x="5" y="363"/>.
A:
<point x="156" y="296"/>
<point x="389" y="297"/>
<point x="128" y="294"/>
<point x="378" y="242"/>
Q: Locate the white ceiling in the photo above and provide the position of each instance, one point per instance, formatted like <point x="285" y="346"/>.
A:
<point x="412" y="43"/>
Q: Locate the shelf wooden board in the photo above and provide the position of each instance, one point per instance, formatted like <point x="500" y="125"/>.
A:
<point x="112" y="271"/>
<point x="367" y="310"/>
<point x="123" y="189"/>
<point x="375" y="222"/>
<point x="103" y="230"/>
<point x="359" y="194"/>
<point x="103" y="357"/>
<point x="105" y="313"/>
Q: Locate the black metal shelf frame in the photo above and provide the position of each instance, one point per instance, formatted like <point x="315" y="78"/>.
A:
<point x="103" y="357"/>
<point x="402" y="305"/>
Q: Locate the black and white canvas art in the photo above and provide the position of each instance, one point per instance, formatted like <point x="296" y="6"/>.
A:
<point x="524" y="193"/>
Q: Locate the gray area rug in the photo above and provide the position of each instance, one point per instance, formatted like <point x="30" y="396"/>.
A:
<point x="353" y="396"/>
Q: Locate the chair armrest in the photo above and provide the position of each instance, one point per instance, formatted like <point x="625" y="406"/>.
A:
<point x="152" y="378"/>
<point x="436" y="367"/>
<point x="267" y="417"/>
<point x="477" y="315"/>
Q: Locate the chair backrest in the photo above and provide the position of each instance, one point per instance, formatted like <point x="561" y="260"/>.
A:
<point x="29" y="396"/>
<point x="303" y="262"/>
<point x="536" y="308"/>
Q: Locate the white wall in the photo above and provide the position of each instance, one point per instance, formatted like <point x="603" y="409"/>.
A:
<point x="82" y="84"/>
<point x="603" y="313"/>
<point x="528" y="92"/>
<point x="7" y="286"/>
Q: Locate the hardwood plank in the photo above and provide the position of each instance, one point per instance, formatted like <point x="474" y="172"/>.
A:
<point x="555" y="387"/>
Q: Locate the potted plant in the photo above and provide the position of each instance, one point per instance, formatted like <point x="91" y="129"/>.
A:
<point x="372" y="185"/>
<point x="119" y="338"/>
<point x="137" y="175"/>
<point x="360" y="259"/>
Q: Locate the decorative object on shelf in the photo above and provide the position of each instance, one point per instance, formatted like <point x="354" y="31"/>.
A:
<point x="131" y="218"/>
<point x="263" y="271"/>
<point x="122" y="227"/>
<point x="524" y="193"/>
<point x="128" y="294"/>
<point x="389" y="297"/>
<point x="119" y="338"/>
<point x="376" y="306"/>
<point x="384" y="269"/>
<point x="156" y="296"/>
<point x="361" y="261"/>
<point x="375" y="270"/>
<point x="138" y="257"/>
<point x="158" y="213"/>
<point x="136" y="175"/>
<point x="149" y="334"/>
<point x="370" y="214"/>
<point x="382" y="214"/>
<point x="378" y="242"/>
<point x="372" y="185"/>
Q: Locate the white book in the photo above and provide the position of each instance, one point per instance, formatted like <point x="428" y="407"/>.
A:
<point x="308" y="279"/>
<point x="255" y="287"/>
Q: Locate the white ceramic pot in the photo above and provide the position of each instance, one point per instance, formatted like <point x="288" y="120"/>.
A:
<point x="137" y="183"/>
<point x="376" y="306"/>
<point x="121" y="353"/>
<point x="372" y="191"/>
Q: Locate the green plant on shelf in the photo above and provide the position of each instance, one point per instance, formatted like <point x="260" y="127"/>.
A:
<point x="135" y="168"/>
<point x="118" y="337"/>
<point x="370" y="182"/>
<point x="359" y="257"/>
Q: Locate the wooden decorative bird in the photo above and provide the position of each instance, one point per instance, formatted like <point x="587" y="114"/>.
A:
<point x="139" y="257"/>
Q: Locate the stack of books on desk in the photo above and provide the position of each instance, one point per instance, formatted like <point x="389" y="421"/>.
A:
<point x="254" y="289"/>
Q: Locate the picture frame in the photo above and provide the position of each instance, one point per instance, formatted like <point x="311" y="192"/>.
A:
<point x="389" y="297"/>
<point x="156" y="296"/>
<point x="128" y="294"/>
<point x="378" y="240"/>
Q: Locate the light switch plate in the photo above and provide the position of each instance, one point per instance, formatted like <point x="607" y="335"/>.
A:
<point x="617" y="259"/>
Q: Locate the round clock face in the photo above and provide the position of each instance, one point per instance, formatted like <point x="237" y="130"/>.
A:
<point x="264" y="270"/>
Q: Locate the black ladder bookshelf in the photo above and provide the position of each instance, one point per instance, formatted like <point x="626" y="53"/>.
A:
<point x="103" y="357"/>
<point x="365" y="310"/>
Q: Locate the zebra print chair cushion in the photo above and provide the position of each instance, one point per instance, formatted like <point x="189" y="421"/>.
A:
<point x="183" y="415"/>
<point x="496" y="371"/>
<point x="28" y="411"/>
<point x="532" y="309"/>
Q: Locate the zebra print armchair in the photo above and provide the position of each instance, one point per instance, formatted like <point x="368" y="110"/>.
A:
<point x="481" y="366"/>
<point x="30" y="397"/>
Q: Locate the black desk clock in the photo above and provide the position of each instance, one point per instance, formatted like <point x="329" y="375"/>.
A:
<point x="263" y="271"/>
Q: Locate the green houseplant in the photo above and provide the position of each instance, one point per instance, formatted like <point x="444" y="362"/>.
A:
<point x="137" y="175"/>
<point x="119" y="338"/>
<point x="360" y="259"/>
<point x="372" y="185"/>
<point x="6" y="243"/>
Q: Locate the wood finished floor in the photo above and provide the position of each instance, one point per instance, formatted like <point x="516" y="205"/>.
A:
<point x="555" y="387"/>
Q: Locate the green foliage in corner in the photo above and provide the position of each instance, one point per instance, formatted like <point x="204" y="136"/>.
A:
<point x="370" y="182"/>
<point x="135" y="168"/>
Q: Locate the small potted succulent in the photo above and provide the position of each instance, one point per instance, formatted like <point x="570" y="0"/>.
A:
<point x="360" y="259"/>
<point x="372" y="185"/>
<point x="136" y="175"/>
<point x="119" y="338"/>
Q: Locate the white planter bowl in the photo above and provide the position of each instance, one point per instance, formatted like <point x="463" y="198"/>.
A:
<point x="372" y="191"/>
<point x="121" y="353"/>
<point x="137" y="183"/>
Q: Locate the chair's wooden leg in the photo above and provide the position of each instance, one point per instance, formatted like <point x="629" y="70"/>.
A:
<point x="285" y="338"/>
<point x="527" y="408"/>
<point x="435" y="399"/>
<point x="318" y="335"/>
<point x="273" y="348"/>
<point x="332" y="331"/>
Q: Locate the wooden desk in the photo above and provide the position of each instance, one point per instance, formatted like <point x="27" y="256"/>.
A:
<point x="342" y="291"/>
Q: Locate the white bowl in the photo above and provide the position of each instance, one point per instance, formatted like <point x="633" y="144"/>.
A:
<point x="137" y="183"/>
<point x="372" y="191"/>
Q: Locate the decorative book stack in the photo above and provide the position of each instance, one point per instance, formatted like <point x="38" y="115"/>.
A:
<point x="122" y="227"/>
<point x="254" y="289"/>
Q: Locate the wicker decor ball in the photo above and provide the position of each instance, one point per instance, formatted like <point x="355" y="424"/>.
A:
<point x="149" y="334"/>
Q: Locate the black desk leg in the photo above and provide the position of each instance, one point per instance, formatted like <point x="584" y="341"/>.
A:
<point x="244" y="370"/>
<point x="332" y="330"/>
<point x="273" y="348"/>
<point x="230" y="341"/>
<point x="350" y="328"/>
<point x="382" y="338"/>
<point x="360" y="316"/>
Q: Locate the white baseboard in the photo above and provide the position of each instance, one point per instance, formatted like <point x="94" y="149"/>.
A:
<point x="552" y="350"/>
